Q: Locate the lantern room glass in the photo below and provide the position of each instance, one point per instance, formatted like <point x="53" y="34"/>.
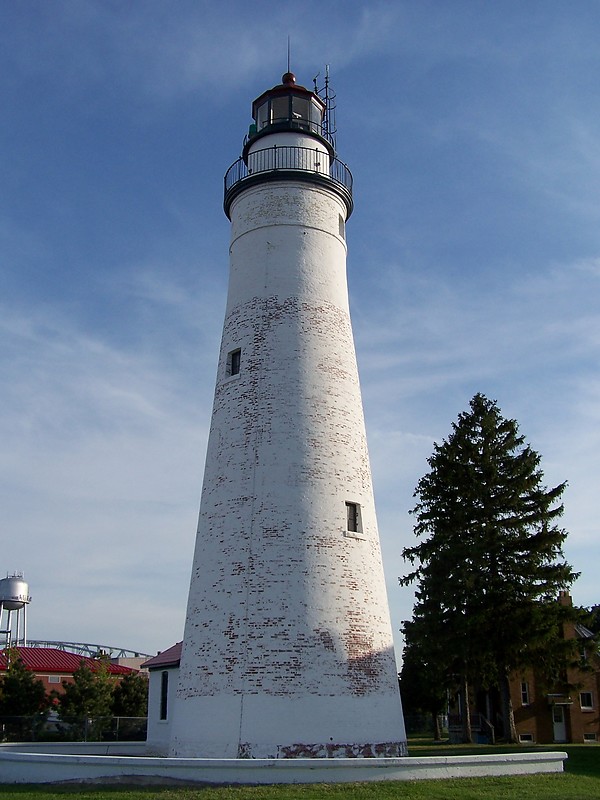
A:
<point x="280" y="110"/>
<point x="262" y="115"/>
<point x="299" y="111"/>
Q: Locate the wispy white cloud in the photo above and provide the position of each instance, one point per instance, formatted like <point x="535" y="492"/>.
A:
<point x="426" y="345"/>
<point x="166" y="51"/>
<point x="101" y="460"/>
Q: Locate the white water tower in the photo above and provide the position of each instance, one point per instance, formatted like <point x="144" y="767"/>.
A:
<point x="14" y="599"/>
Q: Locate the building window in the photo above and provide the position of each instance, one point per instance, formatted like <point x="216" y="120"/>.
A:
<point x="233" y="362"/>
<point x="164" y="694"/>
<point x="526" y="737"/>
<point x="525" y="693"/>
<point x="354" y="521"/>
<point x="586" y="701"/>
<point x="590" y="737"/>
<point x="342" y="227"/>
<point x="53" y="678"/>
<point x="352" y="517"/>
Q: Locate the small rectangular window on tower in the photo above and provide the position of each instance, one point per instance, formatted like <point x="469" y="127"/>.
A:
<point x="352" y="517"/>
<point x="234" y="359"/>
<point x="354" y="522"/>
<point x="342" y="227"/>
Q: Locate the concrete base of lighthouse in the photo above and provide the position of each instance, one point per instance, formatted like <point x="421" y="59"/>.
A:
<point x="104" y="763"/>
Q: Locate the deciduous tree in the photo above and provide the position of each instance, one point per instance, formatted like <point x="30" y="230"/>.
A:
<point x="130" y="697"/>
<point x="21" y="693"/>
<point x="424" y="678"/>
<point x="22" y="699"/>
<point x="87" y="701"/>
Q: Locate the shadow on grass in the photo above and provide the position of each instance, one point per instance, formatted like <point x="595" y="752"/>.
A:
<point x="584" y="759"/>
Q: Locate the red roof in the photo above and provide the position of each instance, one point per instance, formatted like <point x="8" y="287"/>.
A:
<point x="168" y="658"/>
<point x="50" y="659"/>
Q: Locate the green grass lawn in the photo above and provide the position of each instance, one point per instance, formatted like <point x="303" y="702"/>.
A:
<point x="580" y="781"/>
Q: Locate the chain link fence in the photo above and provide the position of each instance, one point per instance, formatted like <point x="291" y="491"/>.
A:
<point x="51" y="727"/>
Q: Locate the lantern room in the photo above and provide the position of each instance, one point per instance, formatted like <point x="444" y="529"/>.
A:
<point x="290" y="139"/>
<point x="288" y="106"/>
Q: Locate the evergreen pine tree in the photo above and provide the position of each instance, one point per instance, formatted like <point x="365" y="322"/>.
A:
<point x="424" y="678"/>
<point x="490" y="564"/>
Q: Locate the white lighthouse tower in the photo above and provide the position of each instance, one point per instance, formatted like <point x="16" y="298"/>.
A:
<point x="287" y="648"/>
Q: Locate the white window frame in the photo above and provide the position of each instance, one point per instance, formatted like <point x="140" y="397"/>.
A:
<point x="586" y="706"/>
<point x="358" y="522"/>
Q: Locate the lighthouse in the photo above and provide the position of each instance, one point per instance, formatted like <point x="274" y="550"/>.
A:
<point x="287" y="650"/>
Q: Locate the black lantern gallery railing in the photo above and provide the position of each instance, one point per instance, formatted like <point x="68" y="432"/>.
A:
<point x="285" y="162"/>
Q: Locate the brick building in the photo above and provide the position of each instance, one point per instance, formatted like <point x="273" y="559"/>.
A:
<point x="568" y="712"/>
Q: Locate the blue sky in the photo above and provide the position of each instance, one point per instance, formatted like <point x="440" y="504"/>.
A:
<point x="472" y="130"/>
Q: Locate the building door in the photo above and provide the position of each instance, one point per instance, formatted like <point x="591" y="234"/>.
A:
<point x="558" y="719"/>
